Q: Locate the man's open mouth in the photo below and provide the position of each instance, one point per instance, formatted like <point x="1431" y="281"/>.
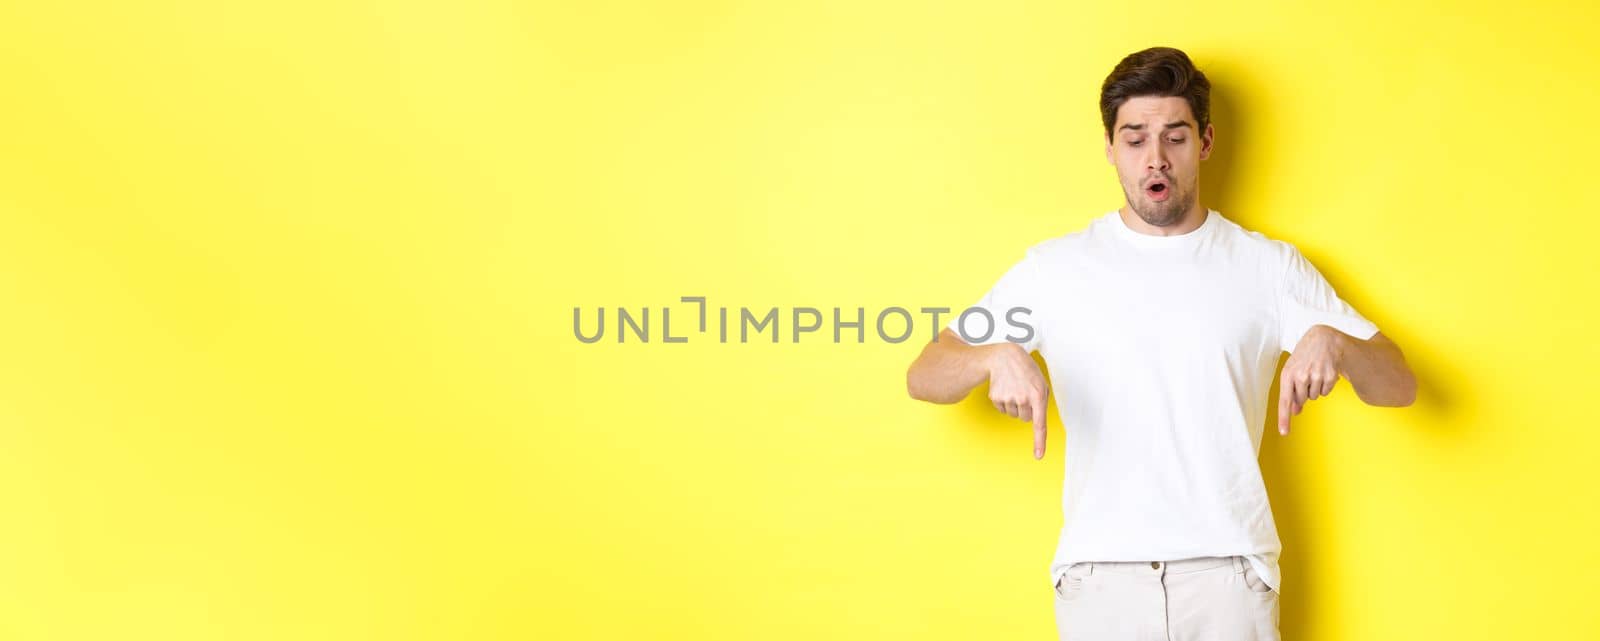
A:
<point x="1157" y="191"/>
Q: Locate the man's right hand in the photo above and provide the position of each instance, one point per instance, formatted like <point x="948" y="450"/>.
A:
<point x="948" y="369"/>
<point x="1018" y="389"/>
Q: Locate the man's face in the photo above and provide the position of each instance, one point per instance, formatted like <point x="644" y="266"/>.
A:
<point x="1157" y="151"/>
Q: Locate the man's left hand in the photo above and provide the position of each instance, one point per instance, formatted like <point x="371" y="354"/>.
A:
<point x="1310" y="372"/>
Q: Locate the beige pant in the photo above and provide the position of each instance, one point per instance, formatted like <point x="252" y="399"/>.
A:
<point x="1211" y="598"/>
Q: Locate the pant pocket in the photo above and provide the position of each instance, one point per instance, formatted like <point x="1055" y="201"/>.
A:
<point x="1253" y="581"/>
<point x="1071" y="583"/>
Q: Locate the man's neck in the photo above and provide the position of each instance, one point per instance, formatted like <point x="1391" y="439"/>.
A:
<point x="1192" y="220"/>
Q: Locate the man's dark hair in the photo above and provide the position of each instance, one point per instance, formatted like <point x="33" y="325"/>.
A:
<point x="1161" y="72"/>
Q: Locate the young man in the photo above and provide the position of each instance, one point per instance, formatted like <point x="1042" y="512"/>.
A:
<point x="1162" y="323"/>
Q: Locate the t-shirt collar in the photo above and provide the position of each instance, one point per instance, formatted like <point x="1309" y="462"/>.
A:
<point x="1147" y="240"/>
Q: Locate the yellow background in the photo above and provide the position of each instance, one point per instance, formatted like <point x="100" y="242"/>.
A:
<point x="286" y="346"/>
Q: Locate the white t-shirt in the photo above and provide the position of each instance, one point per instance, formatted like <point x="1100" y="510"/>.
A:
<point x="1162" y="351"/>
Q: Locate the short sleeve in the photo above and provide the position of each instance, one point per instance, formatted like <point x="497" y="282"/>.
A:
<point x="1008" y="312"/>
<point x="1306" y="299"/>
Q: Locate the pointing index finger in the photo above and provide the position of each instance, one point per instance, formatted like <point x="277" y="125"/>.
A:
<point x="1283" y="410"/>
<point x="1039" y="428"/>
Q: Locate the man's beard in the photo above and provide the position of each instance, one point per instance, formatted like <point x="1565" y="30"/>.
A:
<point x="1162" y="214"/>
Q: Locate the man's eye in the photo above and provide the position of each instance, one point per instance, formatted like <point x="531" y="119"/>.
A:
<point x="1134" y="143"/>
<point x="1176" y="140"/>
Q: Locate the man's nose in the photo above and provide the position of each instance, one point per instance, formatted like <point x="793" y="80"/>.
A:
<point x="1157" y="160"/>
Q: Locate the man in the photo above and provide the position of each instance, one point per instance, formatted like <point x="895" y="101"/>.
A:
<point x="1162" y="323"/>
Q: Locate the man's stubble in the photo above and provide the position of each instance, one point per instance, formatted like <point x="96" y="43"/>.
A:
<point x="1163" y="214"/>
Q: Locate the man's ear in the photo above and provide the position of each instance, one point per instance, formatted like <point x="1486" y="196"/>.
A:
<point x="1206" y="140"/>
<point x="1109" y="159"/>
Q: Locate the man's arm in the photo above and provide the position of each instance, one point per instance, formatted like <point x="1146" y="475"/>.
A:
<point x="1375" y="366"/>
<point x="1377" y="370"/>
<point x="948" y="368"/>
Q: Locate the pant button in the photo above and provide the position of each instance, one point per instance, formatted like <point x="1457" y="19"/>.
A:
<point x="1155" y="564"/>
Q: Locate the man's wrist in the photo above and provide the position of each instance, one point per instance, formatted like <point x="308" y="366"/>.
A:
<point x="1339" y="344"/>
<point x="988" y="355"/>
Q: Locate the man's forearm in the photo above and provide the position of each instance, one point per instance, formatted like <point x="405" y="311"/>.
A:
<point x="1377" y="370"/>
<point x="947" y="369"/>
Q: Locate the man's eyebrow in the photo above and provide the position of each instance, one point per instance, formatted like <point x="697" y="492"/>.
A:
<point x="1171" y="125"/>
